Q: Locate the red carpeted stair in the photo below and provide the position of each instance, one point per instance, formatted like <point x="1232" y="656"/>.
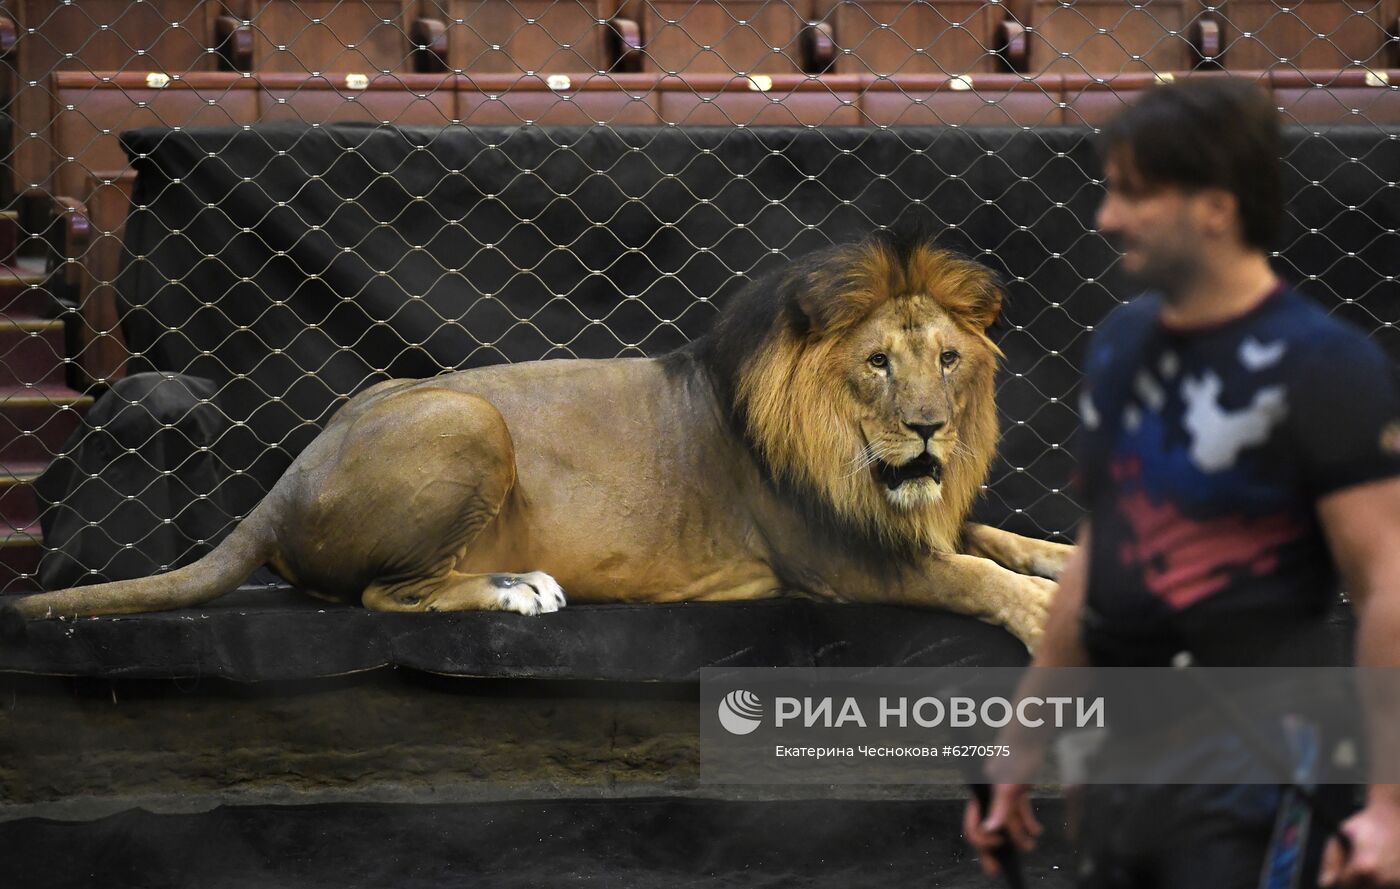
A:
<point x="37" y="408"/>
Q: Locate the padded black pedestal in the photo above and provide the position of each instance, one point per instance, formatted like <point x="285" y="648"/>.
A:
<point x="282" y="634"/>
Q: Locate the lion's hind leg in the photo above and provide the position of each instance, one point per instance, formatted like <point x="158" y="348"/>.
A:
<point x="531" y="594"/>
<point x="1024" y="555"/>
<point x="410" y="485"/>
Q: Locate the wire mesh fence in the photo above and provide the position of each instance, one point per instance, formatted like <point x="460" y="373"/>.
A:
<point x="276" y="204"/>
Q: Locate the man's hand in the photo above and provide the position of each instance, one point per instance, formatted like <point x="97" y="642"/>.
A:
<point x="1375" y="849"/>
<point x="1010" y="811"/>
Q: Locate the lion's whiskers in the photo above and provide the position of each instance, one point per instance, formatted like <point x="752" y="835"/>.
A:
<point x="860" y="463"/>
<point x="867" y="457"/>
<point x="957" y="449"/>
<point x="960" y="450"/>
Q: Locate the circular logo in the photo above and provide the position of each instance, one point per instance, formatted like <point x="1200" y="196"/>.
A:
<point x="740" y="712"/>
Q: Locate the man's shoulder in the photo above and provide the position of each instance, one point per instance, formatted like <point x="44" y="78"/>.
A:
<point x="1314" y="334"/>
<point x="1298" y="311"/>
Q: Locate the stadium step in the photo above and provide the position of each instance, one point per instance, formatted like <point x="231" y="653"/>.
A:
<point x="37" y="409"/>
<point x="23" y="295"/>
<point x="34" y="423"/>
<point x="9" y="234"/>
<point x="19" y="507"/>
<point x="31" y="352"/>
<point x="20" y="550"/>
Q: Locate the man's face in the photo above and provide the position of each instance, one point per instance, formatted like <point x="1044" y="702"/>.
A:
<point x="1160" y="230"/>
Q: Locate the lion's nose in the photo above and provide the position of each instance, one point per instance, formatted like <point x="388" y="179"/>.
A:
<point x="926" y="430"/>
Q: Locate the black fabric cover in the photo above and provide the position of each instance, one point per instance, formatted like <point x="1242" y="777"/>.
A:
<point x="294" y="265"/>
<point x="138" y="487"/>
<point x="275" y="633"/>
<point x="705" y="844"/>
<point x="279" y="633"/>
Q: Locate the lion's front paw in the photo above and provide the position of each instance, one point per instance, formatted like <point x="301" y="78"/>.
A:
<point x="533" y="593"/>
<point x="1025" y="614"/>
<point x="1051" y="559"/>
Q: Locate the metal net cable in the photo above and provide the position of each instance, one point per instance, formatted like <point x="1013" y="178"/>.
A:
<point x="286" y="202"/>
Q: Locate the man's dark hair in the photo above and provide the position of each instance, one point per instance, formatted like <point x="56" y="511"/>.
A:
<point x="1205" y="133"/>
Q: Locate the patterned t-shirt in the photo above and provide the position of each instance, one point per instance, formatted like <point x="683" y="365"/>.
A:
<point x="1202" y="456"/>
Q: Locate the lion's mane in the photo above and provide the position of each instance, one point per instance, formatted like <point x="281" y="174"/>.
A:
<point x="770" y="357"/>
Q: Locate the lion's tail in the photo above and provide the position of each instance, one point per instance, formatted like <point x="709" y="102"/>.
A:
<point x="247" y="547"/>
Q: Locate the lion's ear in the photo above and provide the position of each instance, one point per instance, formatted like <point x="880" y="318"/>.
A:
<point x="970" y="291"/>
<point x="830" y="296"/>
<point x="824" y="311"/>
<point x="984" y="306"/>
<point x="966" y="288"/>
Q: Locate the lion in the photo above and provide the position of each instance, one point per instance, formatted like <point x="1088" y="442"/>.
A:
<point x="826" y="438"/>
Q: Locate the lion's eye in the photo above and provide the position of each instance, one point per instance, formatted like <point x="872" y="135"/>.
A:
<point x="879" y="359"/>
<point x="949" y="358"/>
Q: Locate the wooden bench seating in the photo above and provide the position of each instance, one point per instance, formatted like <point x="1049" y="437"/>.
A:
<point x="1337" y="97"/>
<point x="1093" y="100"/>
<point x="966" y="100"/>
<point x="710" y="37"/>
<point x="1317" y="98"/>
<point x="1317" y="34"/>
<point x="792" y="100"/>
<point x="90" y="110"/>
<point x="398" y="99"/>
<point x="318" y="36"/>
<point x="167" y="36"/>
<point x="560" y="99"/>
<point x="386" y="40"/>
<point x="495" y="37"/>
<point x="894" y="37"/>
<point x="1108" y="37"/>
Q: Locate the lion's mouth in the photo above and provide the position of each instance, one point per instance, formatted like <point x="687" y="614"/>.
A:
<point x="923" y="466"/>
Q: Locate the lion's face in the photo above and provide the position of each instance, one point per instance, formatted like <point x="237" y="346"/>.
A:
<point x="870" y="384"/>
<point x="910" y="370"/>
<point x="873" y="388"/>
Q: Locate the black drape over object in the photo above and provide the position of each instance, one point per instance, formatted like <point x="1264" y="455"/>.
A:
<point x="138" y="487"/>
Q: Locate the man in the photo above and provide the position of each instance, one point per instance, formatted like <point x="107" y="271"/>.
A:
<point x="1240" y="448"/>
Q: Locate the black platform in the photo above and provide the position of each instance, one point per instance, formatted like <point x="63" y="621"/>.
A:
<point x="279" y="633"/>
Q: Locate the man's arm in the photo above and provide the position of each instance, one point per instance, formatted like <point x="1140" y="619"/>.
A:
<point x="1362" y="525"/>
<point x="1060" y="646"/>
